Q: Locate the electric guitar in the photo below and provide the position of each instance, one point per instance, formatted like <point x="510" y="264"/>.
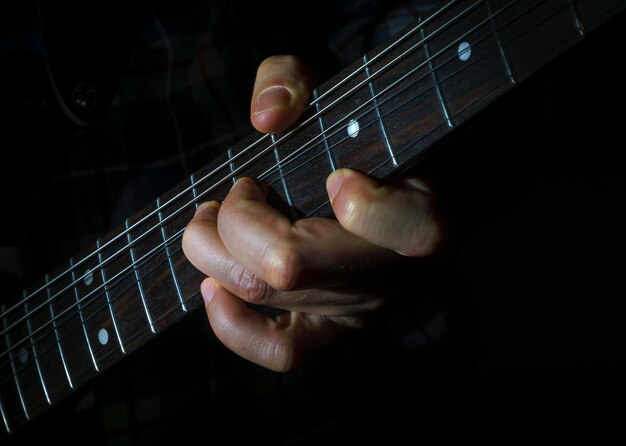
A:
<point x="382" y="115"/>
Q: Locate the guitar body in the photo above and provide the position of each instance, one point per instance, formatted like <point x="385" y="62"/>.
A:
<point x="528" y="344"/>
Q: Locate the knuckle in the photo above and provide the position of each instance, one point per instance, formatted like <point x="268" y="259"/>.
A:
<point x="251" y="287"/>
<point x="282" y="265"/>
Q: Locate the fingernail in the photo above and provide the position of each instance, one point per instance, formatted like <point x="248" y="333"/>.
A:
<point x="273" y="97"/>
<point x="205" y="205"/>
<point x="334" y="182"/>
<point x="207" y="289"/>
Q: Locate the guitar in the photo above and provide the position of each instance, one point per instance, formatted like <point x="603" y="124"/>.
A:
<point x="381" y="115"/>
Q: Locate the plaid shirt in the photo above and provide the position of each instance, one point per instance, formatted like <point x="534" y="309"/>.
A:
<point x="183" y="97"/>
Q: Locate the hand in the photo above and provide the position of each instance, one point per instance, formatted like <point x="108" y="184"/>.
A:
<point x="315" y="269"/>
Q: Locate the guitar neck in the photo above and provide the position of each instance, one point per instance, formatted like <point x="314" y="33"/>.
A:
<point x="381" y="115"/>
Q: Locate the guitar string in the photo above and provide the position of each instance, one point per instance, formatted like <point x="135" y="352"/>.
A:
<point x="277" y="167"/>
<point x="148" y="255"/>
<point x="240" y="168"/>
<point x="114" y="280"/>
<point x="356" y="71"/>
<point x="195" y="294"/>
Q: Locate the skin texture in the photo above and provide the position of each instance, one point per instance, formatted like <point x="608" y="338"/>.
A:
<point x="314" y="269"/>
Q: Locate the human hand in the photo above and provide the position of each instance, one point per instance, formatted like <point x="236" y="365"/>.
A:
<point x="315" y="269"/>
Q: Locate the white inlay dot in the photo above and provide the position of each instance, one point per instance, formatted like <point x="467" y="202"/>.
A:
<point x="103" y="336"/>
<point x="353" y="128"/>
<point x="464" y="50"/>
<point x="22" y="355"/>
<point x="88" y="277"/>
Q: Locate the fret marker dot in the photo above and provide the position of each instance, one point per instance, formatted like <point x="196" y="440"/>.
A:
<point x="22" y="355"/>
<point x="88" y="277"/>
<point x="464" y="50"/>
<point x="353" y="128"/>
<point x="103" y="336"/>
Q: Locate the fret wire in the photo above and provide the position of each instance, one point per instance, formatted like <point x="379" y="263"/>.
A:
<point x="498" y="12"/>
<point x="118" y="275"/>
<point x="412" y="143"/>
<point x="163" y="315"/>
<point x="577" y="21"/>
<point x="397" y="93"/>
<point x="474" y="101"/>
<point x="290" y="158"/>
<point x="339" y="127"/>
<point x="138" y="278"/>
<point x="180" y="232"/>
<point x="496" y="33"/>
<point x="57" y="337"/>
<point x="15" y="378"/>
<point x="169" y="259"/>
<point x="82" y="320"/>
<point x="383" y="127"/>
<point x="262" y="138"/>
<point x="294" y="216"/>
<point x="108" y="299"/>
<point x="442" y="101"/>
<point x="231" y="164"/>
<point x="4" y="418"/>
<point x="318" y="109"/>
<point x="194" y="191"/>
<point x="36" y="356"/>
<point x="289" y="134"/>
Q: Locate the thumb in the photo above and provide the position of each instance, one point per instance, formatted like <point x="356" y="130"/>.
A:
<point x="281" y="93"/>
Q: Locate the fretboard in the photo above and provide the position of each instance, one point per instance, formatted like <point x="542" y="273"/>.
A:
<point x="380" y="116"/>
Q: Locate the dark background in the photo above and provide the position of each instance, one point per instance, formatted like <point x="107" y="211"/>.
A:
<point x="530" y="348"/>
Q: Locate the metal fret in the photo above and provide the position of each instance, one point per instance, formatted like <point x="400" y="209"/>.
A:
<point x="108" y="298"/>
<point x="169" y="257"/>
<point x="80" y="314"/>
<point x="137" y="277"/>
<point x="194" y="191"/>
<point x="4" y="417"/>
<point x="56" y="333"/>
<point x="383" y="127"/>
<point x="283" y="180"/>
<point x="442" y="102"/>
<point x="577" y="21"/>
<point x="320" y="119"/>
<point x="13" y="369"/>
<point x="505" y="59"/>
<point x="35" y="356"/>
<point x="231" y="164"/>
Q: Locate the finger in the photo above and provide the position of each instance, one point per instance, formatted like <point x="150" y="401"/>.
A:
<point x="204" y="249"/>
<point x="281" y="92"/>
<point x="279" y="344"/>
<point x="288" y="255"/>
<point x="403" y="218"/>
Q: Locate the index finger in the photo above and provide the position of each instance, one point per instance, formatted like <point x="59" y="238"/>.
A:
<point x="286" y="255"/>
